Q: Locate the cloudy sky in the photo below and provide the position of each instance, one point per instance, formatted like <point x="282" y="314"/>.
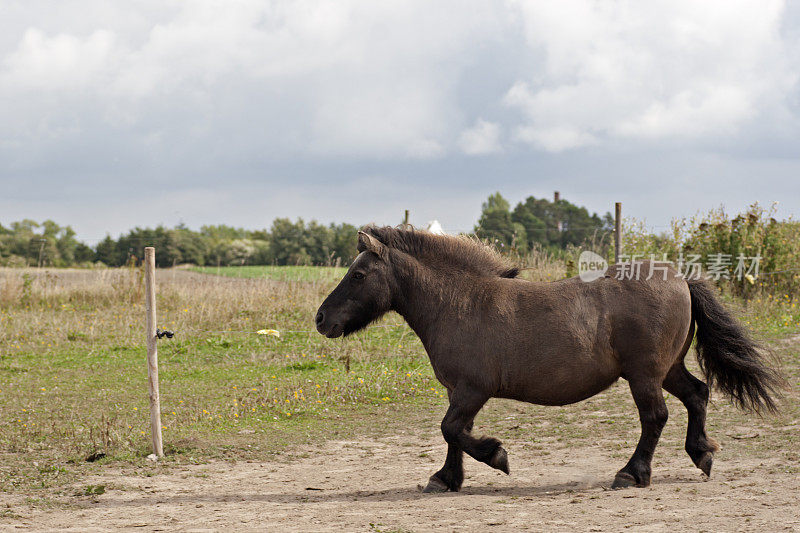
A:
<point x="117" y="114"/>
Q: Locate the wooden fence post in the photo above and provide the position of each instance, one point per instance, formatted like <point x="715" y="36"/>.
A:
<point x="152" y="348"/>
<point x="405" y="220"/>
<point x="617" y="231"/>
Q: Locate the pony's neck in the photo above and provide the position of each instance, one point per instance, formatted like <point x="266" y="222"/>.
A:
<point x="425" y="297"/>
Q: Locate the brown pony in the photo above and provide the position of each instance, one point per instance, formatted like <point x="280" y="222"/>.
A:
<point x="490" y="335"/>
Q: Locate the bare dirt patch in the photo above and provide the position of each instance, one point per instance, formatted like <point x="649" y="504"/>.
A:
<point x="371" y="485"/>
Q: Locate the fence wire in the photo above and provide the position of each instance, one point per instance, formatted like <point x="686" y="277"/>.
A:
<point x="279" y="332"/>
<point x="263" y="332"/>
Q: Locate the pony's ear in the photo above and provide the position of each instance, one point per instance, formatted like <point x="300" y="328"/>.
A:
<point x="368" y="243"/>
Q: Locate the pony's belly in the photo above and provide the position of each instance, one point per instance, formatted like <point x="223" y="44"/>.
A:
<point x="560" y="389"/>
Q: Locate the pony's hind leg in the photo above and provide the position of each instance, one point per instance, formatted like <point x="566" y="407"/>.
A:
<point x="693" y="393"/>
<point x="653" y="416"/>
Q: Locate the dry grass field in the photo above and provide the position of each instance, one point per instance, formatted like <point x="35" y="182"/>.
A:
<point x="305" y="433"/>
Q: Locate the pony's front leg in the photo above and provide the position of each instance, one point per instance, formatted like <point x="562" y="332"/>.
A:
<point x="451" y="476"/>
<point x="465" y="402"/>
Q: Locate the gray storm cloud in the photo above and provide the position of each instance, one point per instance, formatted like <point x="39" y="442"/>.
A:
<point x="249" y="110"/>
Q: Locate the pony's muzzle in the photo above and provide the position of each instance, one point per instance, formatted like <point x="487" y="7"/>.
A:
<point x="320" y="322"/>
<point x="329" y="330"/>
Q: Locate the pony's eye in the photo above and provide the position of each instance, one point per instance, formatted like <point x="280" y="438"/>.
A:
<point x="358" y="275"/>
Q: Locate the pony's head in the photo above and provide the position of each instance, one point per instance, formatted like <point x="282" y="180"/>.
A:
<point x="391" y="258"/>
<point x="363" y="295"/>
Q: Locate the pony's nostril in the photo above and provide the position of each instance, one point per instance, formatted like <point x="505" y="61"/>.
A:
<point x="320" y="318"/>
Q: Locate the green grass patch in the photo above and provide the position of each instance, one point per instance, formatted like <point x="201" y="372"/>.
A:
<point x="73" y="379"/>
<point x="771" y="315"/>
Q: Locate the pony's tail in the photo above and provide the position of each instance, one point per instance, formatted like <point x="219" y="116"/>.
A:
<point x="729" y="357"/>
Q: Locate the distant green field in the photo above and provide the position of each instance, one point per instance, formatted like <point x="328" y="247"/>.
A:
<point x="278" y="273"/>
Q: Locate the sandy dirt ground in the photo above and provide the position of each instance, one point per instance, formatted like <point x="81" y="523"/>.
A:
<point x="371" y="485"/>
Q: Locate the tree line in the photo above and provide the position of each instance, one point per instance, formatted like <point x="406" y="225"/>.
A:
<point x="532" y="222"/>
<point x="28" y="243"/>
<point x="539" y="222"/>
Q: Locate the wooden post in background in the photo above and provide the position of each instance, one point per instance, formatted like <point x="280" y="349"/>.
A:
<point x="617" y="231"/>
<point x="405" y="220"/>
<point x="152" y="348"/>
<point x="556" y="199"/>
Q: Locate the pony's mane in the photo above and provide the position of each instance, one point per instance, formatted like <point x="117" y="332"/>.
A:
<point x="459" y="252"/>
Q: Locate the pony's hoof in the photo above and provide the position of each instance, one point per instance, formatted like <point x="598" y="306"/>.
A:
<point x="623" y="480"/>
<point x="705" y="463"/>
<point x="434" y="486"/>
<point x="500" y="460"/>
